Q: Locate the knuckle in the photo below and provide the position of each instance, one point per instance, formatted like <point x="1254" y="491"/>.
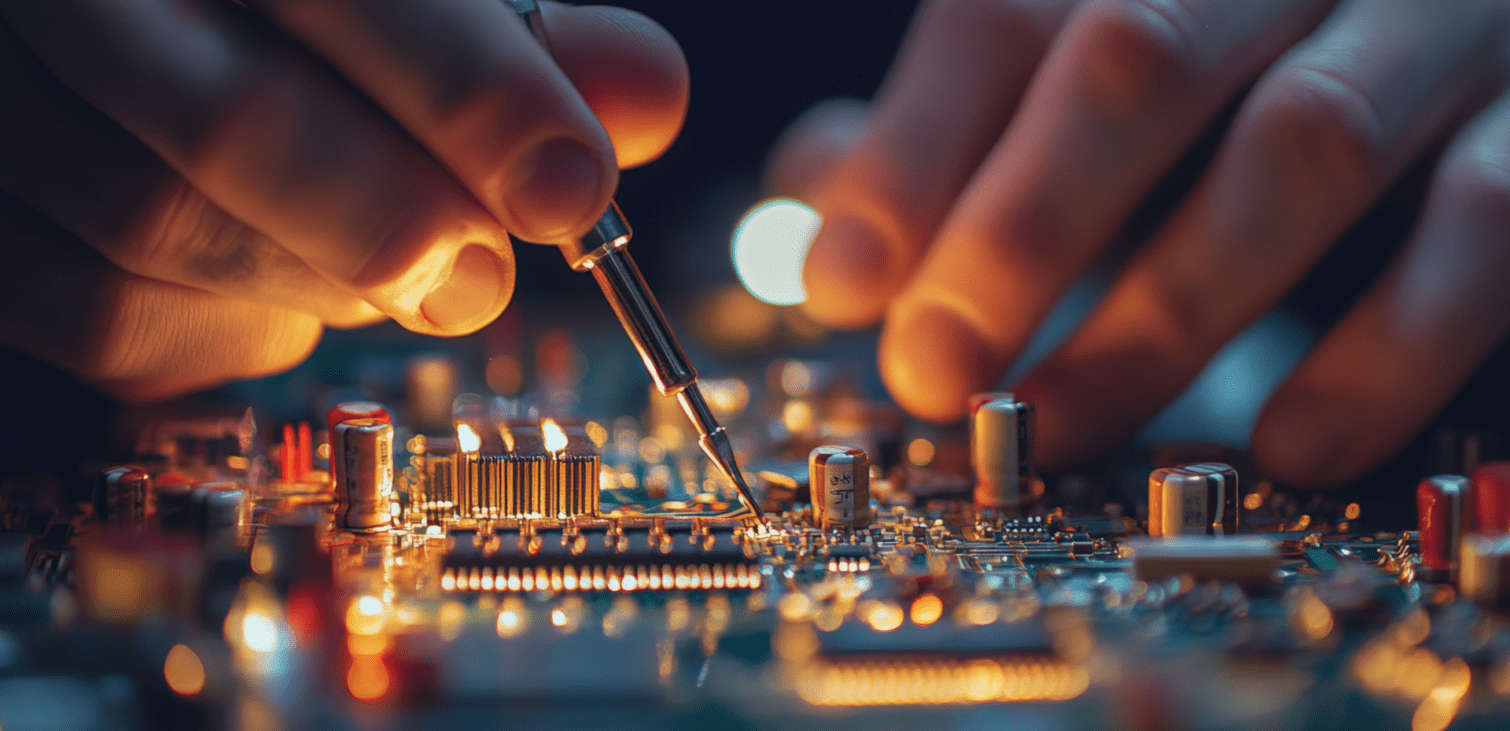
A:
<point x="192" y="240"/>
<point x="1141" y="49"/>
<point x="189" y="239"/>
<point x="1325" y="117"/>
<point x="1015" y="19"/>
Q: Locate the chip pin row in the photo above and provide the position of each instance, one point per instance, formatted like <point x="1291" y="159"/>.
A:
<point x="601" y="578"/>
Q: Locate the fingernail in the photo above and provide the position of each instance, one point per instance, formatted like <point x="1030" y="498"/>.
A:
<point x="933" y="360"/>
<point x="557" y="186"/>
<point x="848" y="272"/>
<point x="470" y="293"/>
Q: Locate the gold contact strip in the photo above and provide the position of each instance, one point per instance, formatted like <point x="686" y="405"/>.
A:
<point x="601" y="578"/>
<point x="931" y="682"/>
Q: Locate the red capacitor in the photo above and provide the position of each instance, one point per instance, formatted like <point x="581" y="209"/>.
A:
<point x="288" y="455"/>
<point x="1491" y="493"/>
<point x="356" y="410"/>
<point x="1445" y="512"/>
<point x="305" y="455"/>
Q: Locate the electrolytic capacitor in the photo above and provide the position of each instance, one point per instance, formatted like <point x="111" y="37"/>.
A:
<point x="1445" y="510"/>
<point x="1001" y="449"/>
<point x="219" y="511"/>
<point x="173" y="494"/>
<point x="120" y="496"/>
<point x="365" y="495"/>
<point x="1484" y="574"/>
<point x="1491" y="494"/>
<point x="1193" y="499"/>
<point x="840" y="482"/>
<point x="342" y="413"/>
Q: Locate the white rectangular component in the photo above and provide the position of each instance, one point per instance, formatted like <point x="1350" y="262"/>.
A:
<point x="1249" y="560"/>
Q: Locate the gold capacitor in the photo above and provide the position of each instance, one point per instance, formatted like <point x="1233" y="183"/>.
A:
<point x="839" y="478"/>
<point x="365" y="497"/>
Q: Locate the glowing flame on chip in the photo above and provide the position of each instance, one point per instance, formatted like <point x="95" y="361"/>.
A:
<point x="770" y="247"/>
<point x="467" y="438"/>
<point x="555" y="439"/>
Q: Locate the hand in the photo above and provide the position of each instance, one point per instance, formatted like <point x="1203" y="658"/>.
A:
<point x="1012" y="139"/>
<point x="191" y="189"/>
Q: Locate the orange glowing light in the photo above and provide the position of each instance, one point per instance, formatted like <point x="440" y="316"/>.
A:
<point x="555" y="439"/>
<point x="467" y="439"/>
<point x="367" y="679"/>
<point x="262" y="558"/>
<point x="365" y="616"/>
<point x="885" y="617"/>
<point x="183" y="671"/>
<point x="926" y="610"/>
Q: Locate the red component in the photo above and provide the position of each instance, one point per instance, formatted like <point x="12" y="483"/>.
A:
<point x="1491" y="493"/>
<point x="1445" y="513"/>
<point x="286" y="455"/>
<point x="356" y="410"/>
<point x="304" y="457"/>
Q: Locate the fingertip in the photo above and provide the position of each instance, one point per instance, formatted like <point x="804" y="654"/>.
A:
<point x="473" y="293"/>
<point x="558" y="189"/>
<point x="812" y="146"/>
<point x="932" y="361"/>
<point x="1295" y="442"/>
<point x="629" y="70"/>
<point x="847" y="274"/>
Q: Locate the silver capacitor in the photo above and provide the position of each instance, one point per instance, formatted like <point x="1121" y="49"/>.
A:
<point x="839" y="478"/>
<point x="1193" y="499"/>
<point x="120" y="496"/>
<point x="365" y="495"/>
<point x="219" y="512"/>
<point x="1001" y="449"/>
<point x="1484" y="572"/>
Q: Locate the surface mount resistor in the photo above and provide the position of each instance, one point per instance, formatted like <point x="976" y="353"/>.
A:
<point x="1445" y="510"/>
<point x="1001" y="449"/>
<point x="839" y="479"/>
<point x="365" y="495"/>
<point x="1193" y="499"/>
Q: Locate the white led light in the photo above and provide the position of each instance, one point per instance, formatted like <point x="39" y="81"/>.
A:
<point x="770" y="246"/>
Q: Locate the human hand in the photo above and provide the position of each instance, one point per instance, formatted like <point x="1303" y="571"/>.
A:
<point x="242" y="177"/>
<point x="1011" y="140"/>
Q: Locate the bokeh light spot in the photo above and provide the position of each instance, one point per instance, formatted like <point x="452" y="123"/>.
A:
<point x="770" y="246"/>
